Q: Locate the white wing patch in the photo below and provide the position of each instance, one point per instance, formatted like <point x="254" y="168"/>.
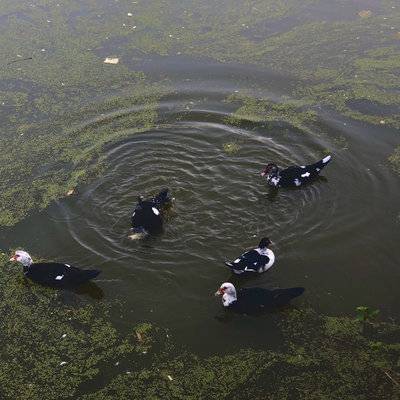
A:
<point x="67" y="265"/>
<point x="297" y="182"/>
<point x="302" y="166"/>
<point x="326" y="159"/>
<point x="59" y="277"/>
<point x="275" y="181"/>
<point x="318" y="169"/>
<point x="155" y="211"/>
<point x="237" y="260"/>
<point x="306" y="175"/>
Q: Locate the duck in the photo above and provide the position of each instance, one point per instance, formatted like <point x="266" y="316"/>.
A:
<point x="257" y="260"/>
<point x="147" y="215"/>
<point x="56" y="275"/>
<point x="255" y="299"/>
<point x="294" y="175"/>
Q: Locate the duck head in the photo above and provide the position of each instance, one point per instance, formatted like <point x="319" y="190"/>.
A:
<point x="23" y="257"/>
<point x="270" y="169"/>
<point x="228" y="293"/>
<point x="264" y="243"/>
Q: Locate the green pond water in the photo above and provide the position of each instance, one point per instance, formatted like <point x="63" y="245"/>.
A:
<point x="199" y="97"/>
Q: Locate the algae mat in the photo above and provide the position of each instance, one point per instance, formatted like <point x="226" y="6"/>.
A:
<point x="61" y="103"/>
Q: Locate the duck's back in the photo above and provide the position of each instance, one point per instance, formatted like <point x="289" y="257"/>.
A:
<point x="59" y="275"/>
<point x="252" y="300"/>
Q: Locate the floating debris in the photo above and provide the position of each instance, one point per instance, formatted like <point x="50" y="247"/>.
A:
<point x="64" y="336"/>
<point x="365" y="13"/>
<point x="129" y="15"/>
<point x="111" y="60"/>
<point x="139" y="336"/>
<point x="382" y="122"/>
<point x="63" y="363"/>
<point x="71" y="192"/>
<point x="170" y="377"/>
<point x="231" y="147"/>
<point x="137" y="236"/>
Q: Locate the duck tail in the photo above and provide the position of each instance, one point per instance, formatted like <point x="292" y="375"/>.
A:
<point x="321" y="163"/>
<point x="162" y="198"/>
<point x="89" y="274"/>
<point x="295" y="292"/>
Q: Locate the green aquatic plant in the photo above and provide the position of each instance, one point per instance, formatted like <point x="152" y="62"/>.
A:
<point x="394" y="160"/>
<point x="55" y="347"/>
<point x="365" y="314"/>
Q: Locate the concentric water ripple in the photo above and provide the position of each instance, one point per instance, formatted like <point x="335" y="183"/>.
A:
<point x="325" y="234"/>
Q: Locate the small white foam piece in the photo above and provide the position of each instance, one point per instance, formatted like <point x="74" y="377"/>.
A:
<point x="59" y="277"/>
<point x="64" y="336"/>
<point x="63" y="363"/>
<point x="326" y="159"/>
<point x="155" y="211"/>
<point x="305" y="175"/>
<point x="111" y="60"/>
<point x="302" y="166"/>
<point x="133" y="214"/>
<point x="67" y="265"/>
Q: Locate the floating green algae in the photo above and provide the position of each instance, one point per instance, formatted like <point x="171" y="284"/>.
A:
<point x="231" y="147"/>
<point x="394" y="160"/>
<point x="51" y="349"/>
<point x="53" y="72"/>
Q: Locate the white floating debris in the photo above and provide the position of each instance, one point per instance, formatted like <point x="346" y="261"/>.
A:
<point x="170" y="377"/>
<point x="382" y="122"/>
<point x="64" y="336"/>
<point x="19" y="55"/>
<point x="70" y="192"/>
<point x="129" y="15"/>
<point x="170" y="35"/>
<point x="43" y="50"/>
<point x="111" y="60"/>
<point x="116" y="364"/>
<point x="134" y="27"/>
<point x="63" y="363"/>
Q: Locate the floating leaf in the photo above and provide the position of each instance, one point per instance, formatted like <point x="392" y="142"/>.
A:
<point x="365" y="13"/>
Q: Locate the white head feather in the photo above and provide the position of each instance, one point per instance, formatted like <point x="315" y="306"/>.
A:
<point x="23" y="257"/>
<point x="228" y="293"/>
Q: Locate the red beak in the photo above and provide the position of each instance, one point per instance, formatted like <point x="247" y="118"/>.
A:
<point x="13" y="258"/>
<point x="219" y="292"/>
<point x="263" y="173"/>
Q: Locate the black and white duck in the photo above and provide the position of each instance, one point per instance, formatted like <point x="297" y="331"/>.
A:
<point x="147" y="216"/>
<point x="56" y="275"/>
<point x="293" y="176"/>
<point x="255" y="299"/>
<point x="254" y="261"/>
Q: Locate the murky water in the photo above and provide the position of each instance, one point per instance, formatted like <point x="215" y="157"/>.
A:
<point x="337" y="237"/>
